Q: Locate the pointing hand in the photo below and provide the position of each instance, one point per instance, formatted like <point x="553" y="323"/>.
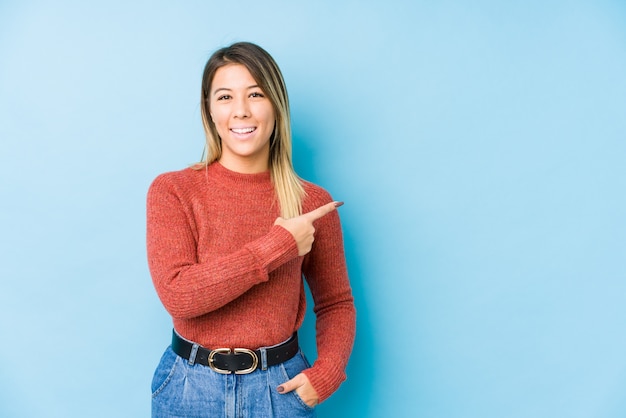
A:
<point x="301" y="227"/>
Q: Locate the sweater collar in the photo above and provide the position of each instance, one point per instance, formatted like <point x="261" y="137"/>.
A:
<point x="258" y="181"/>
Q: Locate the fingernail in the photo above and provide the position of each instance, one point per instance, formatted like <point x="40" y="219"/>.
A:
<point x="280" y="389"/>
<point x="337" y="204"/>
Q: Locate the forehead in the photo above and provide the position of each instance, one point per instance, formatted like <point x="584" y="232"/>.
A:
<point x="232" y="76"/>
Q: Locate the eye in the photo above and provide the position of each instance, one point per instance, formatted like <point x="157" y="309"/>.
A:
<point x="224" y="97"/>
<point x="256" y="94"/>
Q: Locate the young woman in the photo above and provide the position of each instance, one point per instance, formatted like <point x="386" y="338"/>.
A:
<point x="229" y="242"/>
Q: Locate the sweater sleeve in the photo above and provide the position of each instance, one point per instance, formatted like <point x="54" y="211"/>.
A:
<point x="188" y="288"/>
<point x="326" y="273"/>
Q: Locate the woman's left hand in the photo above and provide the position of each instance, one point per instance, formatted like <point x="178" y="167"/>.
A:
<point x="300" y="383"/>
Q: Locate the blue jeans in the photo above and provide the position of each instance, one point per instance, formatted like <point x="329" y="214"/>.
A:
<point x="194" y="391"/>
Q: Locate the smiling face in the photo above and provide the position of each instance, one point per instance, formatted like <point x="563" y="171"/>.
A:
<point x="244" y="119"/>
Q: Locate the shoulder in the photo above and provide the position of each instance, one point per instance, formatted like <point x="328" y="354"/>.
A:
<point x="315" y="197"/>
<point x="179" y="178"/>
<point x="176" y="182"/>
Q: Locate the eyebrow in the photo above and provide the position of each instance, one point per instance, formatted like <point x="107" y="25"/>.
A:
<point x="227" y="89"/>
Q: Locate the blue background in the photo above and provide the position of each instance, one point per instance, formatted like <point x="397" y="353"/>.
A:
<point x="479" y="147"/>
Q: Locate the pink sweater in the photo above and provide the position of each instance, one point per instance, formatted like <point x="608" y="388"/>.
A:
<point x="230" y="278"/>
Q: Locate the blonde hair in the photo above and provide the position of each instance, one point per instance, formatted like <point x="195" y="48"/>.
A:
<point x="265" y="71"/>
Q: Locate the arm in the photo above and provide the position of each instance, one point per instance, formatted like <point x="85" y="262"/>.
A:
<point x="187" y="287"/>
<point x="326" y="273"/>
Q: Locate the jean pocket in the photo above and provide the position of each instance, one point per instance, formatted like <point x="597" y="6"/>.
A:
<point x="290" y="369"/>
<point x="164" y="371"/>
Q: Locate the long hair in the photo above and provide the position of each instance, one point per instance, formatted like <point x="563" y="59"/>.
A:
<point x="265" y="71"/>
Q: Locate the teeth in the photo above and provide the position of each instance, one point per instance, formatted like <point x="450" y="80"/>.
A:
<point x="242" y="130"/>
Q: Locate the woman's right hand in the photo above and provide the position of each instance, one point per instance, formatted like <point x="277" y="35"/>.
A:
<point x="301" y="227"/>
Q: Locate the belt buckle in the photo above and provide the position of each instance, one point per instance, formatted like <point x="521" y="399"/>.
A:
<point x="255" y="360"/>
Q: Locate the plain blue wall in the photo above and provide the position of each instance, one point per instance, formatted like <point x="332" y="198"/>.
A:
<point x="479" y="147"/>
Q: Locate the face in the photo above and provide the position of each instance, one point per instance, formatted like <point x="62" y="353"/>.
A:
<point x="244" y="118"/>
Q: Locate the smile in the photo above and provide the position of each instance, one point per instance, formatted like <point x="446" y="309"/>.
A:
<point x="243" y="130"/>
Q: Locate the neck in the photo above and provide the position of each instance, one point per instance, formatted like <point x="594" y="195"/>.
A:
<point x="245" y="166"/>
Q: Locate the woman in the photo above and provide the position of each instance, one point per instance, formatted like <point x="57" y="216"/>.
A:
<point x="229" y="241"/>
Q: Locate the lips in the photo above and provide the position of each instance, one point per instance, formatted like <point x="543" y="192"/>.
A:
<point x="242" y="131"/>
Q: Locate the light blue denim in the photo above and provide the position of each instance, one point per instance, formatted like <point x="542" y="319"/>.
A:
<point x="180" y="389"/>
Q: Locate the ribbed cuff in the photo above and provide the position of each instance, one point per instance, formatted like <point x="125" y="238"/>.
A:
<point x="325" y="380"/>
<point x="274" y="249"/>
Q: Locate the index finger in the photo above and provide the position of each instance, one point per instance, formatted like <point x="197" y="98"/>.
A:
<point x="324" y="210"/>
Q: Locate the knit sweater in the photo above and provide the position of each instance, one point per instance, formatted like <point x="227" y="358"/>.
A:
<point x="231" y="278"/>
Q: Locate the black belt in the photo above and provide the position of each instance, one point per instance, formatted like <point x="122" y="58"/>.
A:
<point x="239" y="360"/>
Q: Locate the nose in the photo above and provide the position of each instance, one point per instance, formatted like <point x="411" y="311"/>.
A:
<point x="242" y="108"/>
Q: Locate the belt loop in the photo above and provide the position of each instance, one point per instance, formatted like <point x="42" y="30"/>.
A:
<point x="192" y="355"/>
<point x="263" y="358"/>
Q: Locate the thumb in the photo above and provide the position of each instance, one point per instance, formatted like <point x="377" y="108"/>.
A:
<point x="291" y="384"/>
<point x="315" y="214"/>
